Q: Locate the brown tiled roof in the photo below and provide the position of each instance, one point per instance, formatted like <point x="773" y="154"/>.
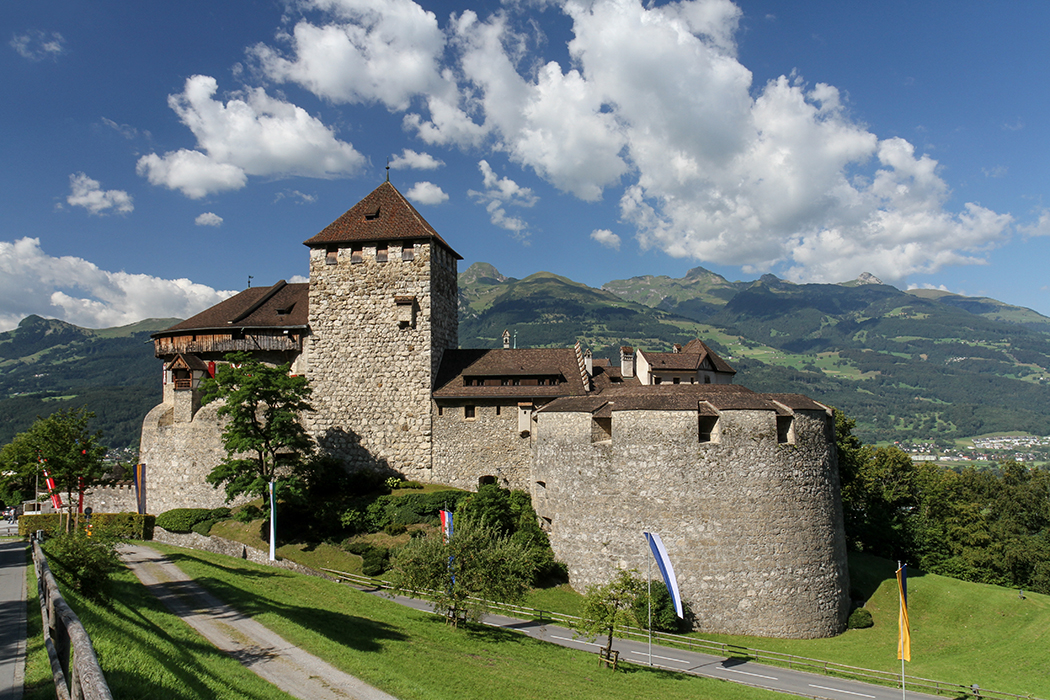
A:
<point x="457" y="365"/>
<point x="281" y="306"/>
<point x="689" y="359"/>
<point x="383" y="215"/>
<point x="707" y="399"/>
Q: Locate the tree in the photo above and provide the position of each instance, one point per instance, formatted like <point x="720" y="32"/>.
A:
<point x="611" y="606"/>
<point x="477" y="564"/>
<point x="64" y="447"/>
<point x="263" y="436"/>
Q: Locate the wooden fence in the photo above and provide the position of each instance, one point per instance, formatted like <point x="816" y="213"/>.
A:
<point x="79" y="678"/>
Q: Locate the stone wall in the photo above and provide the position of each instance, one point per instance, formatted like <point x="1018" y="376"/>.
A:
<point x="489" y="444"/>
<point x="221" y="545"/>
<point x="178" y="457"/>
<point x="753" y="527"/>
<point x="371" y="370"/>
<point x="119" y="498"/>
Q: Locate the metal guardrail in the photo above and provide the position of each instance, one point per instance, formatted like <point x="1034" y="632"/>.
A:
<point x="776" y="658"/>
<point x="63" y="633"/>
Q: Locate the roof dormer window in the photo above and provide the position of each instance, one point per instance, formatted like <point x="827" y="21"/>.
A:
<point x="372" y="214"/>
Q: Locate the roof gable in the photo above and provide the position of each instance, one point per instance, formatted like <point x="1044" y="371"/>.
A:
<point x="383" y="215"/>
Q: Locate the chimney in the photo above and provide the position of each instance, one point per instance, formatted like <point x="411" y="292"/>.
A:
<point x="506" y="340"/>
<point x="676" y="348"/>
<point x="627" y="361"/>
<point x="588" y="362"/>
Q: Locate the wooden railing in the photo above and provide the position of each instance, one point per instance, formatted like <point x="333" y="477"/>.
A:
<point x="734" y="651"/>
<point x="64" y="635"/>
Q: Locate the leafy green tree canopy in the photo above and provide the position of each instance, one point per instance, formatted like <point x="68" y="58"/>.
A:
<point x="611" y="606"/>
<point x="475" y="565"/>
<point x="263" y="436"/>
<point x="64" y="447"/>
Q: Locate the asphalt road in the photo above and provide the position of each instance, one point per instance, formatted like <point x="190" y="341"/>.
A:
<point x="12" y="617"/>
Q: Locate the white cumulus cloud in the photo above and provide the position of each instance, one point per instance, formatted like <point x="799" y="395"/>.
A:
<point x="410" y="160"/>
<point x="77" y="291"/>
<point x="250" y="134"/>
<point x="606" y="238"/>
<point x="500" y="192"/>
<point x="426" y="193"/>
<point x="208" y="219"/>
<point x="88" y="193"/>
<point x="654" y="106"/>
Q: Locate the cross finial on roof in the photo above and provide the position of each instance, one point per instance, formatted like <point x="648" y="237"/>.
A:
<point x="388" y="170"/>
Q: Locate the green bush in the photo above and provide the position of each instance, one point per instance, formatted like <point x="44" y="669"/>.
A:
<point x="182" y="519"/>
<point x="665" y="619"/>
<point x="375" y="561"/>
<point x="248" y="513"/>
<point x="82" y="562"/>
<point x="395" y="529"/>
<point x="116" y="525"/>
<point x="221" y="513"/>
<point x="203" y="527"/>
<point x="860" y="619"/>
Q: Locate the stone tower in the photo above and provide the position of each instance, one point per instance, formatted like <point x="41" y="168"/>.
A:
<point x="383" y="308"/>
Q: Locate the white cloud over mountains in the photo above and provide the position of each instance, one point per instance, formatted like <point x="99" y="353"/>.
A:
<point x="654" y="107"/>
<point x="250" y="134"/>
<point x="77" y="291"/>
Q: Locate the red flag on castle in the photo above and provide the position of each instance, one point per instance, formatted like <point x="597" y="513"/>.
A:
<point x="56" y="500"/>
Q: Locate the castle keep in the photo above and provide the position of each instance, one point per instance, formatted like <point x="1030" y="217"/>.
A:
<point x="742" y="487"/>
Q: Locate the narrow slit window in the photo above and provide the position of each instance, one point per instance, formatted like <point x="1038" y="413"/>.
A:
<point x="786" y="430"/>
<point x="708" y="428"/>
<point x="469" y="412"/>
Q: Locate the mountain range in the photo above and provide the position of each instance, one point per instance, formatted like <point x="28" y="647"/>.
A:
<point x="907" y="365"/>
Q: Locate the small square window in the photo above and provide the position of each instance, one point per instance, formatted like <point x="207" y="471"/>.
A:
<point x="381" y="254"/>
<point x="408" y="252"/>
<point x="356" y="255"/>
<point x="331" y="256"/>
<point x="468" y="412"/>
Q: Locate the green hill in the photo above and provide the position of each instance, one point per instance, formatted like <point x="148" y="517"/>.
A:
<point x="48" y="365"/>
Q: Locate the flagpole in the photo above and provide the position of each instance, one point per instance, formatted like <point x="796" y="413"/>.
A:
<point x="273" y="524"/>
<point x="649" y="578"/>
<point x="900" y="603"/>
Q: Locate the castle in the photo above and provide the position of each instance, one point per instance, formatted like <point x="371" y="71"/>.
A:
<point x="743" y="487"/>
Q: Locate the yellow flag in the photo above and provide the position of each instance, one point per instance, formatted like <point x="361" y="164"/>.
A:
<point x="904" y="640"/>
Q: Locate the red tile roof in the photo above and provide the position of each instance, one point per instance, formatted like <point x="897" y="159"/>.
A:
<point x="459" y="365"/>
<point x="383" y="215"/>
<point x="688" y="359"/>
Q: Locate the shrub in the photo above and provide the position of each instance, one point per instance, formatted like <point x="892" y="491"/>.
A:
<point x="116" y="525"/>
<point x="182" y="519"/>
<point x="82" y="562"/>
<point x="395" y="529"/>
<point x="221" y="513"/>
<point x="248" y="513"/>
<point x="860" y="619"/>
<point x="393" y="482"/>
<point x="375" y="561"/>
<point x="665" y="619"/>
<point x="354" y="520"/>
<point x="203" y="527"/>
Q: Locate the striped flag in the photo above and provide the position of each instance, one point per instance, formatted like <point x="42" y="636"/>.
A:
<point x="666" y="570"/>
<point x="904" y="639"/>
<point x="140" y="487"/>
<point x="446" y="524"/>
<point x="56" y="499"/>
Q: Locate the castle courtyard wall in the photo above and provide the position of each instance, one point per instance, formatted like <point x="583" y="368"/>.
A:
<point x="178" y="458"/>
<point x="489" y="444"/>
<point x="752" y="527"/>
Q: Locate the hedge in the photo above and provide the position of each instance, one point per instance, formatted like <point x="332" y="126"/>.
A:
<point x="182" y="519"/>
<point x="130" y="525"/>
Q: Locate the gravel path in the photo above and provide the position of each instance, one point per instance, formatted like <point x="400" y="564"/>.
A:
<point x="286" y="666"/>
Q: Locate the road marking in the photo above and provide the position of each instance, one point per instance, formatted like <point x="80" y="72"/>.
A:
<point x="839" y="690"/>
<point x="745" y="673"/>
<point x="570" y="639"/>
<point x="665" y="658"/>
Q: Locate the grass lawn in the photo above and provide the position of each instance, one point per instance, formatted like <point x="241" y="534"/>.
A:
<point x="144" y="650"/>
<point x="961" y="632"/>
<point x="413" y="655"/>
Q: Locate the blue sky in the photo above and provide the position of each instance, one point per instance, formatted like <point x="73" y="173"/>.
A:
<point x="157" y="154"/>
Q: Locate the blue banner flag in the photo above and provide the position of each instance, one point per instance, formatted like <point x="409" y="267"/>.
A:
<point x="666" y="570"/>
